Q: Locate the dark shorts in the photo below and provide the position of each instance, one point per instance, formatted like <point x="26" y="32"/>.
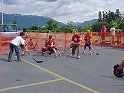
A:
<point x="87" y="45"/>
<point x="48" y="49"/>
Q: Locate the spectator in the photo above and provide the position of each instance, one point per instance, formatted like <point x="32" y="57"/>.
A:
<point x="112" y="30"/>
<point x="103" y="33"/>
<point x="30" y="44"/>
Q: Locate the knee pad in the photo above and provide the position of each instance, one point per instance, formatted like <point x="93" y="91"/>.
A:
<point x="43" y="49"/>
<point x="51" y="50"/>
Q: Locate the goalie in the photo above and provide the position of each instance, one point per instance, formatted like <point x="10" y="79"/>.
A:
<point x="75" y="45"/>
<point x="50" y="46"/>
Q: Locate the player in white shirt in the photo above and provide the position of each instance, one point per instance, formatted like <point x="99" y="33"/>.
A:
<point x="112" y="29"/>
<point x="14" y="46"/>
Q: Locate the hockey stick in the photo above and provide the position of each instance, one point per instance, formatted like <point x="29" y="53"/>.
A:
<point x="66" y="50"/>
<point x="95" y="51"/>
<point x="71" y="46"/>
<point x="33" y="57"/>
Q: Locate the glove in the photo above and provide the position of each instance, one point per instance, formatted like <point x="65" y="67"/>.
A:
<point x="118" y="73"/>
<point x="71" y="46"/>
<point x="22" y="46"/>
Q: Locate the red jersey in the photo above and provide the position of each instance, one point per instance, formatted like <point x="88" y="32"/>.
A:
<point x="88" y="38"/>
<point x="76" y="39"/>
<point x="51" y="42"/>
<point x="103" y="30"/>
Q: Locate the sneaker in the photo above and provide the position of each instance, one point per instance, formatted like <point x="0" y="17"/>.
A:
<point x="42" y="53"/>
<point x="78" y="57"/>
<point x="22" y="54"/>
<point x="56" y="56"/>
<point x="49" y="53"/>
<point x="60" y="56"/>
<point x="83" y="52"/>
<point x="89" y="52"/>
<point x="19" y="60"/>
<point x="9" y="60"/>
<point x="72" y="55"/>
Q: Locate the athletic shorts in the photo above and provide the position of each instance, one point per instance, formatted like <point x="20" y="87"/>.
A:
<point x="87" y="45"/>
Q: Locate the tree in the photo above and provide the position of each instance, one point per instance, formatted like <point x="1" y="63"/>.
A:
<point x="51" y="25"/>
<point x="106" y="17"/>
<point x="33" y="27"/>
<point x="99" y="16"/>
<point x="121" y="26"/>
<point x="97" y="26"/>
<point x="103" y="19"/>
<point x="111" y="18"/>
<point x="24" y="29"/>
<point x="117" y="14"/>
<point x="87" y="27"/>
<point x="68" y="28"/>
<point x="55" y="26"/>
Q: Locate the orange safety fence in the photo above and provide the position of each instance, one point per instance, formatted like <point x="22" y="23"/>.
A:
<point x="4" y="41"/>
<point x="35" y="41"/>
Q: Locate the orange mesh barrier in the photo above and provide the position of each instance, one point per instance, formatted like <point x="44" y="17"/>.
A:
<point x="5" y="39"/>
<point x="0" y="42"/>
<point x="35" y="41"/>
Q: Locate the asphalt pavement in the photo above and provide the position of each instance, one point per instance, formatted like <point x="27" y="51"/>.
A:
<point x="89" y="74"/>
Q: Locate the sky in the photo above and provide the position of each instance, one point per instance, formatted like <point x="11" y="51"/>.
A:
<point x="62" y="10"/>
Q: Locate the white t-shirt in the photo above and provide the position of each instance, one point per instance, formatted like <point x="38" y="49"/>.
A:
<point x="18" y="41"/>
<point x="112" y="30"/>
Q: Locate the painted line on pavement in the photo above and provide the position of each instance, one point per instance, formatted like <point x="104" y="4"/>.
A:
<point x="32" y="84"/>
<point x="66" y="79"/>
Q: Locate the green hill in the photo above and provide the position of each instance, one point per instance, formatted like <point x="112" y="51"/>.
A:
<point x="26" y="20"/>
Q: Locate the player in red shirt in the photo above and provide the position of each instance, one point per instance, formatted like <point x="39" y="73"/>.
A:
<point x="103" y="32"/>
<point x="30" y="44"/>
<point x="87" y="39"/>
<point x="49" y="46"/>
<point x="76" y="38"/>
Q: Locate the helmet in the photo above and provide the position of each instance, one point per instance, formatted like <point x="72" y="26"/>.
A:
<point x="22" y="34"/>
<point x="50" y="36"/>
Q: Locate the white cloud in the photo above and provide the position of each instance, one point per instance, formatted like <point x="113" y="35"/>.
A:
<point x="63" y="10"/>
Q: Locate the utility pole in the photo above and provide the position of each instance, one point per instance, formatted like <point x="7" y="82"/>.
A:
<point x="2" y="10"/>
